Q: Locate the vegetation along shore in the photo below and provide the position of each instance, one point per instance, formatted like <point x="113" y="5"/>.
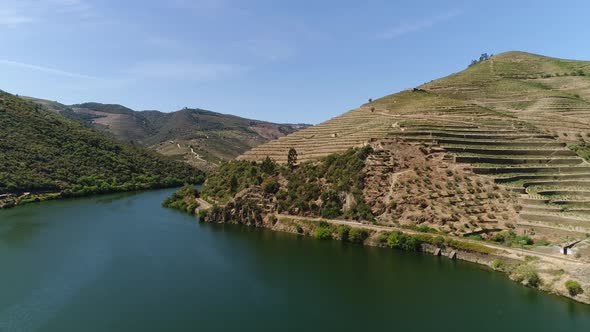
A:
<point x="490" y="164"/>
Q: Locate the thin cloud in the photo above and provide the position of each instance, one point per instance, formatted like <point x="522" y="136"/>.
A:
<point x="268" y="49"/>
<point x="48" y="70"/>
<point x="415" y="26"/>
<point x="201" y="6"/>
<point x="185" y="70"/>
<point x="15" y="13"/>
<point x="12" y="18"/>
<point x="75" y="7"/>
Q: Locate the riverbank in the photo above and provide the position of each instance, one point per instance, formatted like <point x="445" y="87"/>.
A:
<point x="543" y="271"/>
<point x="10" y="200"/>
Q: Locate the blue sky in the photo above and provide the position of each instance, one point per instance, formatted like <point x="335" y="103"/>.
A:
<point x="282" y="61"/>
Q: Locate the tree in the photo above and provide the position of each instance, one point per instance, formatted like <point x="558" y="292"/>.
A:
<point x="292" y="158"/>
<point x="483" y="57"/>
<point x="370" y="100"/>
<point x="268" y="166"/>
<point x="233" y="184"/>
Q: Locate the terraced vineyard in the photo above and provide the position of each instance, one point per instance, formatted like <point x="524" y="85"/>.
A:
<point x="352" y="129"/>
<point x="509" y="118"/>
<point x="554" y="183"/>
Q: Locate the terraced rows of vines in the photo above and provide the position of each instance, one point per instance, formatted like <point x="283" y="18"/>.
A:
<point x="512" y="118"/>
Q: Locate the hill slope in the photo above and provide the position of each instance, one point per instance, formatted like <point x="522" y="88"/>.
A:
<point x="550" y="94"/>
<point x="44" y="152"/>
<point x="518" y="119"/>
<point x="193" y="135"/>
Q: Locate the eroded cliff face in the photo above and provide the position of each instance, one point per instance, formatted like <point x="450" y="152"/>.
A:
<point x="251" y="206"/>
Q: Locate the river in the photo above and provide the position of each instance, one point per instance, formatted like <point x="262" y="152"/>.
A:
<point x="123" y="263"/>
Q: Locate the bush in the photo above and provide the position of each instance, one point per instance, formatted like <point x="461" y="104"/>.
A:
<point x="527" y="275"/>
<point x="357" y="235"/>
<point x="404" y="242"/>
<point x="271" y="187"/>
<point x="322" y="233"/>
<point x="573" y="287"/>
<point x="509" y="238"/>
<point x="394" y="240"/>
<point x="299" y="229"/>
<point x="330" y="210"/>
<point x="360" y="211"/>
<point x="497" y="264"/>
<point x="343" y="232"/>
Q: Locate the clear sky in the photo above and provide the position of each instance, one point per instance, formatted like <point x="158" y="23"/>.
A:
<point x="276" y="60"/>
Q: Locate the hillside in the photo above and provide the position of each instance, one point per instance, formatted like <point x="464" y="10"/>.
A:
<point x="196" y="136"/>
<point x="496" y="153"/>
<point x="41" y="152"/>
<point x="553" y="95"/>
<point x="518" y="119"/>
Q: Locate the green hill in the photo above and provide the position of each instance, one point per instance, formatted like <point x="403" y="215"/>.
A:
<point x="196" y="136"/>
<point x="517" y="119"/>
<point x="551" y="94"/>
<point x="495" y="156"/>
<point x="44" y="152"/>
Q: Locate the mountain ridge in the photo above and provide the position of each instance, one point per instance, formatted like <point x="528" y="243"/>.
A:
<point x="200" y="137"/>
<point x="42" y="152"/>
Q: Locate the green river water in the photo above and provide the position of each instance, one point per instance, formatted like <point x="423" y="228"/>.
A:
<point x="124" y="263"/>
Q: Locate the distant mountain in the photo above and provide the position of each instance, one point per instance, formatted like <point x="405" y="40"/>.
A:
<point x="44" y="152"/>
<point x="196" y="136"/>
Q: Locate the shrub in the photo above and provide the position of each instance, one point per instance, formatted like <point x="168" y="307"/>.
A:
<point x="343" y="232"/>
<point x="523" y="240"/>
<point x="497" y="264"/>
<point x="573" y="287"/>
<point x="382" y="239"/>
<point x="542" y="242"/>
<point x="331" y="210"/>
<point x="527" y="275"/>
<point x="358" y="235"/>
<point x="323" y="233"/>
<point x="360" y="211"/>
<point x="394" y="240"/>
<point x="402" y="241"/>
<point x="438" y="241"/>
<point x="271" y="187"/>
